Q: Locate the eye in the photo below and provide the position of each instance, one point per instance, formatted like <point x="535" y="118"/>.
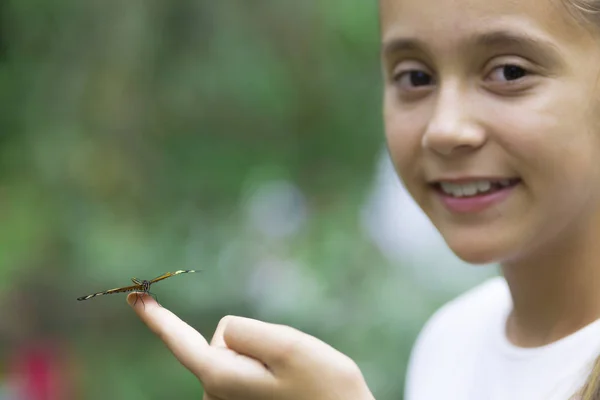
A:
<point x="413" y="79"/>
<point x="508" y="73"/>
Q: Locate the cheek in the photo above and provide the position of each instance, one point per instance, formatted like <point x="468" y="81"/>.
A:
<point x="574" y="175"/>
<point x="560" y="164"/>
<point x="403" y="134"/>
<point x="551" y="141"/>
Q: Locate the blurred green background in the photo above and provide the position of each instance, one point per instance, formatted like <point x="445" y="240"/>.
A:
<point x="237" y="137"/>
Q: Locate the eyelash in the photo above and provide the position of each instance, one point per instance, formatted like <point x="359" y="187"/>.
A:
<point x="518" y="67"/>
<point x="411" y="74"/>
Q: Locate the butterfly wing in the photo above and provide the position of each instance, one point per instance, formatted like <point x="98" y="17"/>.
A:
<point x="170" y="274"/>
<point x="112" y="291"/>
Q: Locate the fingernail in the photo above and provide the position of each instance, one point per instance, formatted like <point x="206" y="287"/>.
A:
<point x="130" y="300"/>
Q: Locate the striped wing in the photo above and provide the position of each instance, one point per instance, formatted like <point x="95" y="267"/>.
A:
<point x="111" y="291"/>
<point x="170" y="274"/>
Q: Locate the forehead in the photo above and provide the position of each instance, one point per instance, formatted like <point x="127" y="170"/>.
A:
<point x="450" y="20"/>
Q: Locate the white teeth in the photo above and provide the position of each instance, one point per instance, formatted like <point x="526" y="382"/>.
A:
<point x="452" y="189"/>
<point x="484" y="186"/>
<point x="471" y="188"/>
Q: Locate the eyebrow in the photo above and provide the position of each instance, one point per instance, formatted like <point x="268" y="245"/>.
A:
<point x="525" y="41"/>
<point x="499" y="38"/>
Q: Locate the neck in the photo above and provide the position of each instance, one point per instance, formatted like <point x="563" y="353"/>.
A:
<point x="557" y="290"/>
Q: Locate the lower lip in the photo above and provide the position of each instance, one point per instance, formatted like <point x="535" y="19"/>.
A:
<point x="474" y="204"/>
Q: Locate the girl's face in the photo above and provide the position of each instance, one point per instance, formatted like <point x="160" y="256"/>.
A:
<point x="492" y="120"/>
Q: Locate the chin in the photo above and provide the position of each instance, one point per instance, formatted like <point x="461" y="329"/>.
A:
<point x="476" y="258"/>
<point x="477" y="252"/>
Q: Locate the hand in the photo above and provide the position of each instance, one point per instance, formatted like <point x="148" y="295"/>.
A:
<point x="249" y="359"/>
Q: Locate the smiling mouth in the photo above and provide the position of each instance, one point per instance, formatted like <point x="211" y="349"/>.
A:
<point x="474" y="188"/>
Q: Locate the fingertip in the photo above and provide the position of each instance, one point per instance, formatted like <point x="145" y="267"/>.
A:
<point x="237" y="324"/>
<point x="136" y="300"/>
<point x="218" y="339"/>
<point x="141" y="302"/>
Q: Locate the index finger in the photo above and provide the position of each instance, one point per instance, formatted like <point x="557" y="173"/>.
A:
<point x="187" y="344"/>
<point x="222" y="372"/>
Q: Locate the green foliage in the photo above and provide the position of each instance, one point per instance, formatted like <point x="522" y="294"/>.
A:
<point x="134" y="136"/>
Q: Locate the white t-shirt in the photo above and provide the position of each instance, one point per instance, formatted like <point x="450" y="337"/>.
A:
<point x="462" y="353"/>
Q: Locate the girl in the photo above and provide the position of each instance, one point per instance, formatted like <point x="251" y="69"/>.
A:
<point x="492" y="114"/>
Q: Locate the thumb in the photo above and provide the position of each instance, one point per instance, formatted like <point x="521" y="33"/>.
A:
<point x="271" y="344"/>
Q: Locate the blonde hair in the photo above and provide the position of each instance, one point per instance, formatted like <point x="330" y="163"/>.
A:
<point x="591" y="389"/>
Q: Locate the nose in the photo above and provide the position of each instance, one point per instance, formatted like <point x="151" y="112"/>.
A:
<point x="452" y="128"/>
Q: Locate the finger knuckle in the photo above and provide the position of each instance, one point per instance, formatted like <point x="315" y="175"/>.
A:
<point x="224" y="320"/>
<point x="350" y="369"/>
<point x="350" y="372"/>
<point x="290" y="349"/>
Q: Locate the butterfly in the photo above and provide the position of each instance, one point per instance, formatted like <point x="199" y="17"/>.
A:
<point x="142" y="286"/>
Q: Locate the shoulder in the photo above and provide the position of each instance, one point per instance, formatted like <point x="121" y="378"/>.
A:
<point x="455" y="328"/>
